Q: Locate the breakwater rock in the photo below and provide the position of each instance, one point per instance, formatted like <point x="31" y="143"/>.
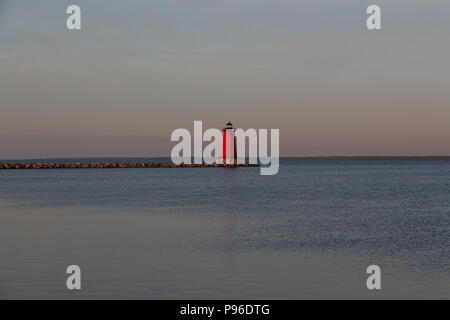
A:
<point x="113" y="165"/>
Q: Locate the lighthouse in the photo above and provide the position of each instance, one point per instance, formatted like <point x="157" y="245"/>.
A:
<point x="229" y="153"/>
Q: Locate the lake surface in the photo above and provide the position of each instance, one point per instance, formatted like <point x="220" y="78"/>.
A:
<point x="216" y="233"/>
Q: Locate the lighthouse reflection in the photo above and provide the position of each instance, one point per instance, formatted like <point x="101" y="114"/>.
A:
<point x="228" y="229"/>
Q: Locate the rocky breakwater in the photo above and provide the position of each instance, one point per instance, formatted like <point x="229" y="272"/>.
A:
<point x="112" y="165"/>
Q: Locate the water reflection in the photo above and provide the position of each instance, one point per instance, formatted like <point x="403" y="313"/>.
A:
<point x="310" y="233"/>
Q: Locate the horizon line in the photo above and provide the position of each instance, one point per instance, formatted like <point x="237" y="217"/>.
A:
<point x="339" y="157"/>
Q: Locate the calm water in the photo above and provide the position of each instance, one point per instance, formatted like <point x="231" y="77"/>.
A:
<point x="201" y="233"/>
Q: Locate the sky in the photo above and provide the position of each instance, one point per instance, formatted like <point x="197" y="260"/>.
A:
<point x="140" y="69"/>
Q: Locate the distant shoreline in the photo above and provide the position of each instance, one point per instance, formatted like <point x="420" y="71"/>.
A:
<point x="447" y="158"/>
<point x="114" y="165"/>
<point x="111" y="159"/>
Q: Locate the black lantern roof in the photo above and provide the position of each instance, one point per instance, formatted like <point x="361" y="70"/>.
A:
<point x="229" y="125"/>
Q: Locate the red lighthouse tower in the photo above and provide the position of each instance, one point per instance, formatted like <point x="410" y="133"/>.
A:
<point x="229" y="153"/>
